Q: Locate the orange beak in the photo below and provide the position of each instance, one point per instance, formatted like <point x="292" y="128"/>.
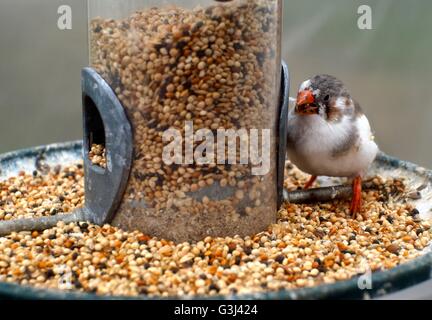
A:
<point x="306" y="103"/>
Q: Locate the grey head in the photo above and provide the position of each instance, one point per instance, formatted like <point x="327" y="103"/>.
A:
<point x="326" y="96"/>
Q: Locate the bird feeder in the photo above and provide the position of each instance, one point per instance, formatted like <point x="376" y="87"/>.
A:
<point x="186" y="100"/>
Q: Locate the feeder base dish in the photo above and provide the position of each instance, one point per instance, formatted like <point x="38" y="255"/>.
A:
<point x="76" y="243"/>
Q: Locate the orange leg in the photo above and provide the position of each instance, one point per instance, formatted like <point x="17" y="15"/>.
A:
<point x="357" y="196"/>
<point x="310" y="182"/>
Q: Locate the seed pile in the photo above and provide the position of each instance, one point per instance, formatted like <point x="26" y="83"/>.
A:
<point x="309" y="245"/>
<point x="218" y="67"/>
<point x="97" y="155"/>
<point x="42" y="193"/>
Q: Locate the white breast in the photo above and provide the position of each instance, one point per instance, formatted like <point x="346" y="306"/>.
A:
<point x="315" y="141"/>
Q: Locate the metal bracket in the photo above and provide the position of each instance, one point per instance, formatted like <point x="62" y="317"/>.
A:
<point x="105" y="122"/>
<point x="283" y="131"/>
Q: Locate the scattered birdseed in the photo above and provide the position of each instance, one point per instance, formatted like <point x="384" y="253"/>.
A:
<point x="97" y="155"/>
<point x="53" y="191"/>
<point x="310" y="244"/>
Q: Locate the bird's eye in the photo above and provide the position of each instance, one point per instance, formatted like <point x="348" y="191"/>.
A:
<point x="326" y="98"/>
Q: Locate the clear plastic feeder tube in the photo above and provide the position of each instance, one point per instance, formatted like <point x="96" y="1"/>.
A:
<point x="199" y="81"/>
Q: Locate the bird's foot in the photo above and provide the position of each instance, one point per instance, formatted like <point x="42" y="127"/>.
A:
<point x="310" y="182"/>
<point x="356" y="202"/>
